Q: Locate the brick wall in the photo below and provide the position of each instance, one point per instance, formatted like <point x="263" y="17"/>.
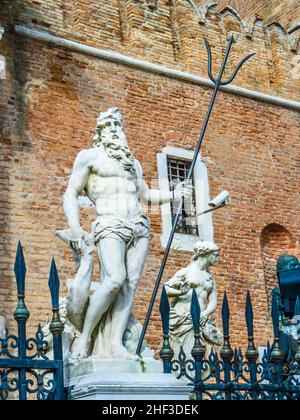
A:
<point x="52" y="96"/>
<point x="280" y="11"/>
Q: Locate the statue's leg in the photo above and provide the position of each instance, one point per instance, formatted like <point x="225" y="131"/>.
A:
<point x="135" y="261"/>
<point x="78" y="293"/>
<point x="111" y="253"/>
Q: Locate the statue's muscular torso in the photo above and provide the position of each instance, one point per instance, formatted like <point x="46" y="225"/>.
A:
<point x="112" y="189"/>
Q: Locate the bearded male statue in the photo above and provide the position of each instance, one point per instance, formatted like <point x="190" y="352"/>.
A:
<point x="113" y="180"/>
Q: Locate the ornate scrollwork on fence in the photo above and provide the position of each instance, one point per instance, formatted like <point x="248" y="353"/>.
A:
<point x="38" y="345"/>
<point x="230" y="374"/>
<point x="24" y="367"/>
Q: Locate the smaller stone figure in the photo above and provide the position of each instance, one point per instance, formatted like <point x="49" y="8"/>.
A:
<point x="195" y="276"/>
<point x="3" y="327"/>
<point x="69" y="335"/>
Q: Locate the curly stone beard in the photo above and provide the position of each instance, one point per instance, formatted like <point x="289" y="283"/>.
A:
<point x="118" y="152"/>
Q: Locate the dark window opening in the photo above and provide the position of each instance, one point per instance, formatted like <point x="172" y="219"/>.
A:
<point x="177" y="172"/>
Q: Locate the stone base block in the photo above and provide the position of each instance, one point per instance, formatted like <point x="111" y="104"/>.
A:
<point x="94" y="379"/>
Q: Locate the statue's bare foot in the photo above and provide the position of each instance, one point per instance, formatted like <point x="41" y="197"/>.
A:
<point x="80" y="352"/>
<point x="120" y="352"/>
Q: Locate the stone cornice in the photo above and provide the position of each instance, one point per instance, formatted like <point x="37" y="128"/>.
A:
<point x="125" y="60"/>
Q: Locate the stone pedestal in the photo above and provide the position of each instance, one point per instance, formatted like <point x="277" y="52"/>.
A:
<point x="94" y="379"/>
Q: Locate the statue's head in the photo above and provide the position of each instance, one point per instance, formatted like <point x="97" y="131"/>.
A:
<point x="110" y="128"/>
<point x="206" y="250"/>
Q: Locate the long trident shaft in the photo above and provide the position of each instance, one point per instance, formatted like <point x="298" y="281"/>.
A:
<point x="217" y="84"/>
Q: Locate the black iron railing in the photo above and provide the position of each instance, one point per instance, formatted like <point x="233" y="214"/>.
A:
<point x="228" y="374"/>
<point x="24" y="367"/>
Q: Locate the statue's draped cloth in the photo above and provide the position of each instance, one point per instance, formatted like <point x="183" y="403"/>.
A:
<point x="126" y="230"/>
<point x="121" y="228"/>
<point x="182" y="334"/>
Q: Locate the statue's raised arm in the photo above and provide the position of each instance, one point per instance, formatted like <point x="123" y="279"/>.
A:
<point x="76" y="185"/>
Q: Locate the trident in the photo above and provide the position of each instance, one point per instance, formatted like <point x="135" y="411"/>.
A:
<point x="217" y="85"/>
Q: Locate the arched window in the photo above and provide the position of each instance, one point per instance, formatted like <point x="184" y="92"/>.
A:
<point x="275" y="241"/>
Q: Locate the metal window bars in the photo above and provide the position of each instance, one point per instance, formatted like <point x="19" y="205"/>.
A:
<point x="177" y="172"/>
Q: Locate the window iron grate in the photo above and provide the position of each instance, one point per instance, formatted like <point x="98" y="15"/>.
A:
<point x="178" y="172"/>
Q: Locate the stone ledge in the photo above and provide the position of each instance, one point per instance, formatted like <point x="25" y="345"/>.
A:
<point x="94" y="379"/>
<point x="119" y="58"/>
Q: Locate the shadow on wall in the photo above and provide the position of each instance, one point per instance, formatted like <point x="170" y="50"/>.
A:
<point x="275" y="241"/>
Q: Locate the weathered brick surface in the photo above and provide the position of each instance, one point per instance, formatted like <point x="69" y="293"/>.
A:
<point x="52" y="96"/>
<point x="284" y="12"/>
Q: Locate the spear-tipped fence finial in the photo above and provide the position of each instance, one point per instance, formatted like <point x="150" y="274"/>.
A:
<point x="195" y="312"/>
<point x="251" y="354"/>
<point x="225" y="315"/>
<point x="277" y="355"/>
<point x="56" y="326"/>
<point x="164" y="309"/>
<point x="166" y="352"/>
<point x="21" y="313"/>
<point x="249" y="315"/>
<point x="20" y="270"/>
<point x="226" y="352"/>
<point x="54" y="285"/>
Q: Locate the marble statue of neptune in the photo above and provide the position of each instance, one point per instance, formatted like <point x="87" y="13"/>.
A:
<point x="113" y="180"/>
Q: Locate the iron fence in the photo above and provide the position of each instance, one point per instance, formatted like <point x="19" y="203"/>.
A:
<point x="25" y="369"/>
<point x="229" y="374"/>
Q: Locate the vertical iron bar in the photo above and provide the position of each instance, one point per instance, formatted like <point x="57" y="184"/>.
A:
<point x="226" y="352"/>
<point x="198" y="351"/>
<point x="166" y="352"/>
<point x="251" y="353"/>
<point x="277" y="355"/>
<point x="191" y="171"/>
<point x="21" y="316"/>
<point x="56" y="328"/>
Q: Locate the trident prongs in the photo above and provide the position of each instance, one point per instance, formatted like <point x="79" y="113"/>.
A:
<point x="218" y="81"/>
<point x="241" y="63"/>
<point x="210" y="75"/>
